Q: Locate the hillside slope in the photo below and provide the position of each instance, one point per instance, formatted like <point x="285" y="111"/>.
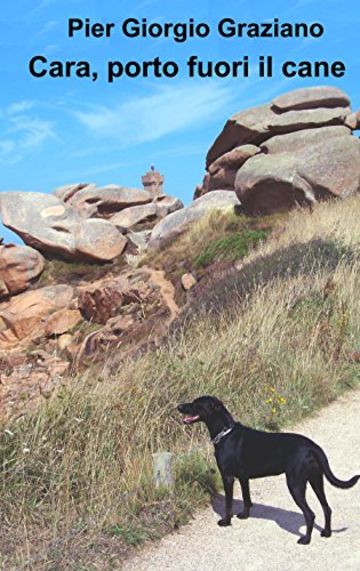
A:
<point x="273" y="330"/>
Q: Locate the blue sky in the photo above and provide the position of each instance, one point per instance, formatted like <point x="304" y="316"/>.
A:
<point x="58" y="131"/>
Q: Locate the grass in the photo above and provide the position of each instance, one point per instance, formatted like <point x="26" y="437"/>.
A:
<point x="230" y="247"/>
<point x="221" y="235"/>
<point x="60" y="271"/>
<point x="272" y="340"/>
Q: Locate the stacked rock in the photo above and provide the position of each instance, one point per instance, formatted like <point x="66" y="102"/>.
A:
<point x="83" y="222"/>
<point x="298" y="149"/>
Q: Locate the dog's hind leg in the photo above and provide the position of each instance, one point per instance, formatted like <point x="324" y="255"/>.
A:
<point x="297" y="490"/>
<point x="317" y="484"/>
<point x="228" y="482"/>
<point x="246" y="499"/>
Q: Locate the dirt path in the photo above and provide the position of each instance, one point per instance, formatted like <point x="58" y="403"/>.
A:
<point x="267" y="541"/>
<point x="167" y="291"/>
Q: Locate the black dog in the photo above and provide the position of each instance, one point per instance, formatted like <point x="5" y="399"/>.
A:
<point x="244" y="453"/>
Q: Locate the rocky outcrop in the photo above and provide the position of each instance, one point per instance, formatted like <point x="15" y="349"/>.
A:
<point x="19" y="267"/>
<point x="294" y="142"/>
<point x="23" y="318"/>
<point x="148" y="307"/>
<point x="61" y="322"/>
<point x="130" y="217"/>
<point x="47" y="224"/>
<point x="67" y="191"/>
<point x="141" y="216"/>
<point x="222" y="172"/>
<point x="310" y="98"/>
<point x="83" y="222"/>
<point x="278" y="181"/>
<point x="260" y="123"/>
<point x="103" y="299"/>
<point x="177" y="222"/>
<point x="295" y="150"/>
<point x="102" y="202"/>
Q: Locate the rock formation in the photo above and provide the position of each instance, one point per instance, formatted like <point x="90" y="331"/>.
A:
<point x="153" y="182"/>
<point x="45" y="331"/>
<point x="23" y="317"/>
<point x="177" y="222"/>
<point x="298" y="149"/>
<point x="82" y="222"/>
<point x="102" y="202"/>
<point x="49" y="225"/>
<point x="140" y="216"/>
<point x="295" y="150"/>
<point x="19" y="267"/>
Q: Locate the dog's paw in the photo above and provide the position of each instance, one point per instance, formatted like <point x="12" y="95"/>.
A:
<point x="243" y="515"/>
<point x="224" y="522"/>
<point x="326" y="533"/>
<point x="304" y="540"/>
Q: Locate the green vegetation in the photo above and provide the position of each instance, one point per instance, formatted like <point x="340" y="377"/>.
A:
<point x="230" y="247"/>
<point x="221" y="235"/>
<point x="274" y="340"/>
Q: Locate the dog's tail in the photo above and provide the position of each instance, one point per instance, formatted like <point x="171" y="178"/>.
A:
<point x="324" y="463"/>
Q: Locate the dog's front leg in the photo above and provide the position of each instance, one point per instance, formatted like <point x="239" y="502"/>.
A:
<point x="246" y="499"/>
<point x="228" y="482"/>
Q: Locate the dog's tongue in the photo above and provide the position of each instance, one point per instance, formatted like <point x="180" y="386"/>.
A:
<point x="189" y="419"/>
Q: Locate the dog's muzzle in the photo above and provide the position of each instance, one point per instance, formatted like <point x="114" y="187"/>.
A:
<point x="188" y="418"/>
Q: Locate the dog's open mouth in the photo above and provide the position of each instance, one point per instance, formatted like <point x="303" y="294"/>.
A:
<point x="188" y="419"/>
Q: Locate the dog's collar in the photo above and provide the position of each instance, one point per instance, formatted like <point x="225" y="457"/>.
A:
<point x="221" y="435"/>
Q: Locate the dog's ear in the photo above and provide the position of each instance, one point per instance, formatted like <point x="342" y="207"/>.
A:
<point x="216" y="404"/>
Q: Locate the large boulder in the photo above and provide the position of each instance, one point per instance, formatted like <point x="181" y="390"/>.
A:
<point x="166" y="204"/>
<point x="62" y="321"/>
<point x="222" y="172"/>
<point x="177" y="222"/>
<point x="51" y="226"/>
<point x="19" y="267"/>
<point x="151" y="212"/>
<point x="310" y="97"/>
<point x="103" y="202"/>
<point x="297" y="149"/>
<point x="277" y="181"/>
<point x="258" y="124"/>
<point x="67" y="191"/>
<point x="294" y="142"/>
<point x="234" y="159"/>
<point x="130" y="217"/>
<point x="23" y="317"/>
<point x="98" y="241"/>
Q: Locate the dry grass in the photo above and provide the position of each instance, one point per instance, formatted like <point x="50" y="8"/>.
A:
<point x="81" y="468"/>
<point x="336" y="220"/>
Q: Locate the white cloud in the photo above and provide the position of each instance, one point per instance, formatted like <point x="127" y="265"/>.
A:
<point x="168" y="110"/>
<point x="19" y="107"/>
<point x="47" y="28"/>
<point x="21" y="132"/>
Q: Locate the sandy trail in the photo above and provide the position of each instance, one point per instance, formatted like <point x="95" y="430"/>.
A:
<point x="167" y="291"/>
<point x="267" y="541"/>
